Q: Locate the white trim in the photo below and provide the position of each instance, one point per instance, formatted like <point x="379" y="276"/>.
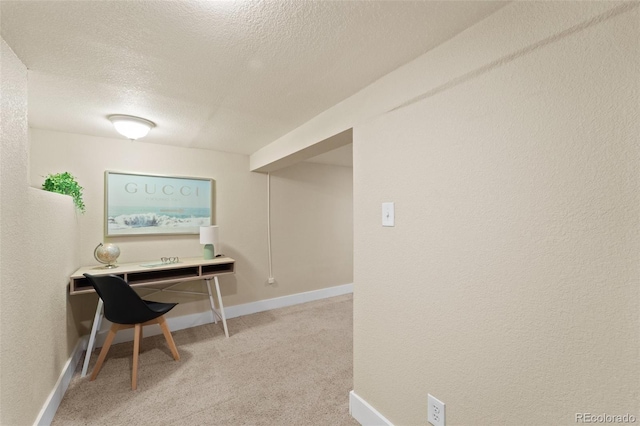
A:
<point x="48" y="411"/>
<point x="201" y="318"/>
<point x="364" y="413"/>
<point x="281" y="302"/>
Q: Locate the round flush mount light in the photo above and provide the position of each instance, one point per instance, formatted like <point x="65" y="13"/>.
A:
<point x="131" y="127"/>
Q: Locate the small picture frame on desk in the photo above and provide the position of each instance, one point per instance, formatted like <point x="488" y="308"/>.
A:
<point x="140" y="204"/>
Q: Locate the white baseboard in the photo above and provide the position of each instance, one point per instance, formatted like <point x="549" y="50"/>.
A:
<point x="45" y="417"/>
<point x="281" y="302"/>
<point x="364" y="413"/>
<point x="201" y="318"/>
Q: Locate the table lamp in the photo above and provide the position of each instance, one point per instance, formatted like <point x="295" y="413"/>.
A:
<point x="209" y="237"/>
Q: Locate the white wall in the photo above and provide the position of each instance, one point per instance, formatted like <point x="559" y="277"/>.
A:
<point x="509" y="287"/>
<point x="241" y="213"/>
<point x="38" y="240"/>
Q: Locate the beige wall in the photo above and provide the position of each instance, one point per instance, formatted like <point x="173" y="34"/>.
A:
<point x="240" y="208"/>
<point x="312" y="226"/>
<point x="33" y="280"/>
<point x="509" y="287"/>
<point x="38" y="241"/>
<point x="241" y="213"/>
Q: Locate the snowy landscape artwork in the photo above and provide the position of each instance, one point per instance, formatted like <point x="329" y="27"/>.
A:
<point x="138" y="204"/>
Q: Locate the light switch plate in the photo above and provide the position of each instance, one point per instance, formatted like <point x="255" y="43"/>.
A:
<point x="388" y="214"/>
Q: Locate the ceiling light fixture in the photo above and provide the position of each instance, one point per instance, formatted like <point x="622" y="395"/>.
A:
<point x="131" y="127"/>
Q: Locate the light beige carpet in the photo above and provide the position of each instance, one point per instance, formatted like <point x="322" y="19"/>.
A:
<point x="289" y="366"/>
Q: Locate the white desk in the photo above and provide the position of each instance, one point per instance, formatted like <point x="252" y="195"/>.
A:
<point x="136" y="275"/>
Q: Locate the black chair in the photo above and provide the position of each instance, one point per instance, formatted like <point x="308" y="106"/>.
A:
<point x="125" y="309"/>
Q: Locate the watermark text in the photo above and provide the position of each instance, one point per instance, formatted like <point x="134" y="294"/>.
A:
<point x="605" y="418"/>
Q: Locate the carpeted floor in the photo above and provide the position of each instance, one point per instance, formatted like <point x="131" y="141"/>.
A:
<point x="289" y="366"/>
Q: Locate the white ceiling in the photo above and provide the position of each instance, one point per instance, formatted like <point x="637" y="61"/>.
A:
<point x="224" y="75"/>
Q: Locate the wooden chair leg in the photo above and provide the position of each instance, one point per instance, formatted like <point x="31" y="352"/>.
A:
<point x="169" y="338"/>
<point x="136" y="350"/>
<point x="105" y="348"/>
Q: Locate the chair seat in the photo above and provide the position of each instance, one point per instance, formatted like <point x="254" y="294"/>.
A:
<point x="161" y="308"/>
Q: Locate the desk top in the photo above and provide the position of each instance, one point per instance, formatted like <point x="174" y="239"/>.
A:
<point x="155" y="272"/>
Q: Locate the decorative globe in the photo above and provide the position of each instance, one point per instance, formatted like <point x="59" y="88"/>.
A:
<point x="107" y="254"/>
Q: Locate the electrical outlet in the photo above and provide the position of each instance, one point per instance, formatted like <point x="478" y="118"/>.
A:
<point x="435" y="411"/>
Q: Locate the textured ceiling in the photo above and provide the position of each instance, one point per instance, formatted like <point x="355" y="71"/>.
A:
<point x="224" y="75"/>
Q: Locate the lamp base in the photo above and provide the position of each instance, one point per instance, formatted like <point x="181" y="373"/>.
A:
<point x="209" y="252"/>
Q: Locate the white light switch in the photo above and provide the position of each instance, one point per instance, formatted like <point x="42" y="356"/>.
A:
<point x="388" y="214"/>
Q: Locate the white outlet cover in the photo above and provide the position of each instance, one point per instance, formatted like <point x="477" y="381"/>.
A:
<point x="435" y="411"/>
<point x="388" y="214"/>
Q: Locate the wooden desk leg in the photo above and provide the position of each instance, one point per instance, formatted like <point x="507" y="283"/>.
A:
<point x="213" y="308"/>
<point x="224" y="318"/>
<point x="97" y="319"/>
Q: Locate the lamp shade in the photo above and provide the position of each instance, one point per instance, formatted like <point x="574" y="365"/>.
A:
<point x="209" y="237"/>
<point x="131" y="127"/>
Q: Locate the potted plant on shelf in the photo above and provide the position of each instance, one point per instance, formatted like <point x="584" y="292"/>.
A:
<point x="65" y="183"/>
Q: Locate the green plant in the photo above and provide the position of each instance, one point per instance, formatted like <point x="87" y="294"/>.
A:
<point x="65" y="183"/>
